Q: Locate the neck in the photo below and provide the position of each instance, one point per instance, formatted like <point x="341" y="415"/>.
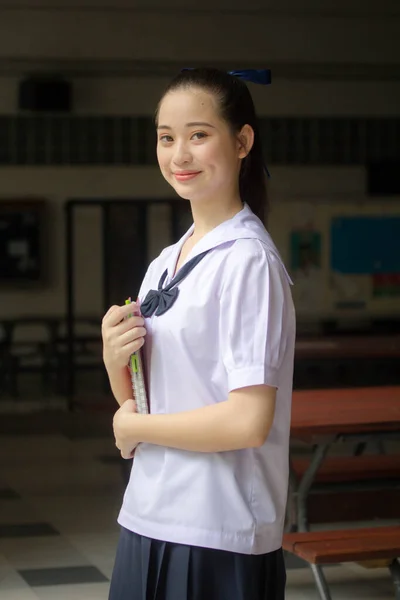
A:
<point x="209" y="214"/>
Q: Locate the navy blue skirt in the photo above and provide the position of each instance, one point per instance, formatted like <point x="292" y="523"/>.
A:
<point x="147" y="569"/>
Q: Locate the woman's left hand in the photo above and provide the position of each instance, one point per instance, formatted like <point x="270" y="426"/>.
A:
<point x="123" y="431"/>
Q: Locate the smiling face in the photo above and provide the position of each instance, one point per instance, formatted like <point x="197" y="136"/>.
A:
<point x="197" y="152"/>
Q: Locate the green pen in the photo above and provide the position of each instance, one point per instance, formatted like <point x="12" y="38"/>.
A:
<point x="137" y="376"/>
<point x="134" y="358"/>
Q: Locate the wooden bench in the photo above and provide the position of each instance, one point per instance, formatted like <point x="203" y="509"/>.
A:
<point x="352" y="468"/>
<point x="350" y="545"/>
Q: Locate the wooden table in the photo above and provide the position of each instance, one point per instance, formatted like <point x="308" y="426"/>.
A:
<point x="317" y="413"/>
<point x="325" y="417"/>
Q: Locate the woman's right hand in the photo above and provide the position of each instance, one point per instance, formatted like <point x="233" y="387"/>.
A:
<point x="121" y="336"/>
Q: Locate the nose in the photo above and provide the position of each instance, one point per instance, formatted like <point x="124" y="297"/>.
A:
<point x="182" y="155"/>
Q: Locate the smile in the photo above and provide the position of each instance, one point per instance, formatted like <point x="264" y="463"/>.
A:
<point x="186" y="175"/>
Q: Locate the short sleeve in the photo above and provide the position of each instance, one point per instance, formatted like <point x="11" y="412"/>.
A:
<point x="254" y="317"/>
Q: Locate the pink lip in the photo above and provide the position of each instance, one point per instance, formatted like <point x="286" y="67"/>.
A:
<point x="186" y="175"/>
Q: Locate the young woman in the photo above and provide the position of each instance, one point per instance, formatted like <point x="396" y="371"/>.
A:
<point x="203" y="513"/>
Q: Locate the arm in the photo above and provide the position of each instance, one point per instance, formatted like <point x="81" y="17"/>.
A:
<point x="242" y="421"/>
<point x="120" y="382"/>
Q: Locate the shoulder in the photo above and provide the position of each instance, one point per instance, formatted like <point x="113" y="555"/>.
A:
<point x="248" y="248"/>
<point x="253" y="254"/>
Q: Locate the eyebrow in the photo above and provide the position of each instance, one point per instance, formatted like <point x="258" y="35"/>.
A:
<point x="194" y="124"/>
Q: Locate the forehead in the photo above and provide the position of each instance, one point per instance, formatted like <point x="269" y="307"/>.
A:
<point x="183" y="106"/>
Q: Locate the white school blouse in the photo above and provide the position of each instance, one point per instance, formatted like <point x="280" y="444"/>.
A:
<point x="232" y="326"/>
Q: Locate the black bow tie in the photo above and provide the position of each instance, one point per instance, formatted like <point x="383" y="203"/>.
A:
<point x="161" y="300"/>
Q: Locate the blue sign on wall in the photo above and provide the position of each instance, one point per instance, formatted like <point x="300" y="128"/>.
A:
<point x="365" y="245"/>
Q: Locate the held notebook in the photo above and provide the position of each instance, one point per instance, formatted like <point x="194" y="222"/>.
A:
<point x="138" y="377"/>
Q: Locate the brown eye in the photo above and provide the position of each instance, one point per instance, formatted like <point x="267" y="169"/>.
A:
<point x="199" y="135"/>
<point x="166" y="138"/>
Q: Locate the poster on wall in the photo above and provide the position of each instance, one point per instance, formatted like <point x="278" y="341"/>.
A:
<point x="305" y="250"/>
<point x="365" y="258"/>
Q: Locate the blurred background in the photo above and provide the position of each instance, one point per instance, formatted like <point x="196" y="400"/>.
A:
<point x="83" y="209"/>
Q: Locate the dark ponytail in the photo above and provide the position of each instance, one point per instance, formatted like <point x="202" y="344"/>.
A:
<point x="237" y="109"/>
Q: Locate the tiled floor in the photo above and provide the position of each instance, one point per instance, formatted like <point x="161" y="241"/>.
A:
<point x="60" y="492"/>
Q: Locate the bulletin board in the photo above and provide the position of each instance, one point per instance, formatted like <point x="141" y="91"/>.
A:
<point x="368" y="246"/>
<point x="365" y="245"/>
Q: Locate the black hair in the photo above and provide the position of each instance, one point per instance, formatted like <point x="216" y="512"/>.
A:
<point x="237" y="109"/>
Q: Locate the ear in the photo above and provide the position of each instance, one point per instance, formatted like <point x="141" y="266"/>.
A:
<point x="246" y="140"/>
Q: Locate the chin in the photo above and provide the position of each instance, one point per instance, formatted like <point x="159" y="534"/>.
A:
<point x="193" y="192"/>
<point x="183" y="196"/>
<point x="184" y="192"/>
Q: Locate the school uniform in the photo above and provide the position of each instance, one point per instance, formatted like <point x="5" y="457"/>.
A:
<point x="210" y="525"/>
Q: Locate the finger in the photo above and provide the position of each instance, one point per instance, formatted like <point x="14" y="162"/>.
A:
<point x="131" y="309"/>
<point x="128" y="324"/>
<point x="111" y="310"/>
<point x="133" y="347"/>
<point x="130" y="336"/>
<point x="120" y="313"/>
<point x="111" y="316"/>
<point x="118" y="336"/>
<point x="129" y="405"/>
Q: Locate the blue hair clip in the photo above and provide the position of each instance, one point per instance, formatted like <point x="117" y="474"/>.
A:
<point x="260" y="76"/>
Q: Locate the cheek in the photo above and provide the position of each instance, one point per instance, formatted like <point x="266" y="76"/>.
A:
<point x="220" y="162"/>
<point x="162" y="158"/>
<point x="209" y="155"/>
<point x="219" y="155"/>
